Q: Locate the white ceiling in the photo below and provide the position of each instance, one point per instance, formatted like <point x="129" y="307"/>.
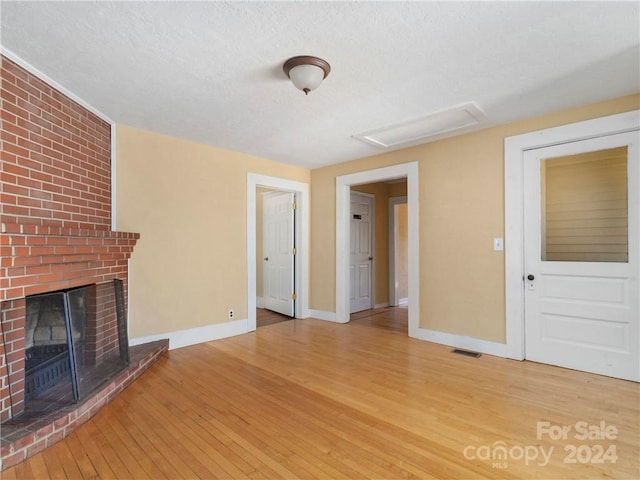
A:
<point x="212" y="71"/>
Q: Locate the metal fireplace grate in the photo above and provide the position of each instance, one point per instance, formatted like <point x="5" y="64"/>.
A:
<point x="45" y="366"/>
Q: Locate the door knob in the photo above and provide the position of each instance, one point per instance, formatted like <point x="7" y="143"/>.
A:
<point x="370" y="258"/>
<point x="531" y="277"/>
<point x="266" y="259"/>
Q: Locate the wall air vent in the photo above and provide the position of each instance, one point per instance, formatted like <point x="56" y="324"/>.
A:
<point x="424" y="129"/>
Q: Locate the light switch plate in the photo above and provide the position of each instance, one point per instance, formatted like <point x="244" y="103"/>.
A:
<point x="498" y="244"/>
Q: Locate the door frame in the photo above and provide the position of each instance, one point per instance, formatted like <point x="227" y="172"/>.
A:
<point x="514" y="148"/>
<point x="394" y="301"/>
<point x="301" y="190"/>
<point x="343" y="227"/>
<point x="372" y="236"/>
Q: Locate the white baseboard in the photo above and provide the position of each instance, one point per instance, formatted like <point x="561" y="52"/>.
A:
<point x="323" y="315"/>
<point x="403" y="302"/>
<point x="259" y="302"/>
<point x="381" y="305"/>
<point x="460" y="341"/>
<point x="192" y="336"/>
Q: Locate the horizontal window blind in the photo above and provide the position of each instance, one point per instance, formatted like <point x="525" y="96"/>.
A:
<point x="584" y="207"/>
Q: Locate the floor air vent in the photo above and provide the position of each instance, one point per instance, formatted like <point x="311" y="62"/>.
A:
<point x="467" y="353"/>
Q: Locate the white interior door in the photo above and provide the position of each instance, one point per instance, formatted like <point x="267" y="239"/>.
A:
<point x="278" y="251"/>
<point x="581" y="250"/>
<point x="361" y="252"/>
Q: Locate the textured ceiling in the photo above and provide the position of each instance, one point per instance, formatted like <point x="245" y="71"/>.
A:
<point x="212" y="71"/>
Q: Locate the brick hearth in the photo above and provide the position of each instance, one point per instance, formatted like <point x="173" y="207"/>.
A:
<point x="22" y="439"/>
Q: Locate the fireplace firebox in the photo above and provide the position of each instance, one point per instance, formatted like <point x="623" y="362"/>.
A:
<point x="76" y="339"/>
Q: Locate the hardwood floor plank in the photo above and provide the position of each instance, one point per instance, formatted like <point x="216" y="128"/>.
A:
<point x="55" y="469"/>
<point x="331" y="414"/>
<point x="269" y="424"/>
<point x="313" y="399"/>
<point x="180" y="441"/>
<point x="94" y="433"/>
<point x="266" y="317"/>
<point x="460" y="391"/>
<point x="100" y="464"/>
<point x="81" y="457"/>
<point x="232" y="416"/>
<point x="12" y="473"/>
<point x="38" y="466"/>
<point x="71" y="467"/>
<point x="375" y="468"/>
<point x="119" y="440"/>
<point x="20" y="471"/>
<point x="149" y="442"/>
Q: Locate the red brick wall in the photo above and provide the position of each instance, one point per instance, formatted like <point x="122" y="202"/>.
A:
<point x="55" y="209"/>
<point x="56" y="157"/>
<point x="101" y="338"/>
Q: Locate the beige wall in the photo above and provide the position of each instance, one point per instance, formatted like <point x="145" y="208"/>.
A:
<point x="402" y="250"/>
<point x="461" y="182"/>
<point x="398" y="189"/>
<point x="188" y="202"/>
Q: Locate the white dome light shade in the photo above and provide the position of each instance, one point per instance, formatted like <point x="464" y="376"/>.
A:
<point x="306" y="77"/>
<point x="306" y="72"/>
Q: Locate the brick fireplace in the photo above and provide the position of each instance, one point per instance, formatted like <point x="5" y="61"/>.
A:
<point x="55" y="235"/>
<point x="55" y="212"/>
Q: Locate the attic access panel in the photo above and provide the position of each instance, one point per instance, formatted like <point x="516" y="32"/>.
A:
<point x="423" y="129"/>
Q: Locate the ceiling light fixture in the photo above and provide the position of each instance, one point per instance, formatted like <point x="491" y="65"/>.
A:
<point x="306" y="72"/>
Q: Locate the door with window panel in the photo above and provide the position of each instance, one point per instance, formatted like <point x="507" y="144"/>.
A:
<point x="581" y="255"/>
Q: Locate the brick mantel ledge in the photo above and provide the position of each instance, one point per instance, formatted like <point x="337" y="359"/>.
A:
<point x="38" y="259"/>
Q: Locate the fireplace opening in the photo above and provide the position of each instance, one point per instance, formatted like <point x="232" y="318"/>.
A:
<point x="75" y="340"/>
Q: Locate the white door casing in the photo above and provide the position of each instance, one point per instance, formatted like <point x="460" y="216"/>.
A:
<point x="515" y="149"/>
<point x="343" y="225"/>
<point x="581" y="309"/>
<point x="361" y="252"/>
<point x="279" y="258"/>
<point x="301" y="190"/>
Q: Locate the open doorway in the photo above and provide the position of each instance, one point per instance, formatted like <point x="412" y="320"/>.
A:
<point x="256" y="185"/>
<point x="398" y="251"/>
<point x="408" y="171"/>
<point x="275" y="256"/>
<point x="379" y="246"/>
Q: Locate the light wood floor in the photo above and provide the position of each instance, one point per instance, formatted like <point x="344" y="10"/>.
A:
<point x="266" y="317"/>
<point x="314" y="399"/>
